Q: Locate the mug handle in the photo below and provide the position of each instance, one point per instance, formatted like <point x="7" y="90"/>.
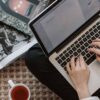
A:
<point x="11" y="83"/>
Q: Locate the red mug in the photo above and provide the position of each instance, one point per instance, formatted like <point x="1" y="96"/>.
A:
<point x="18" y="91"/>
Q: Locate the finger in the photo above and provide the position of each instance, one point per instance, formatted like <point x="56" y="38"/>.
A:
<point x="77" y="64"/>
<point x="82" y="62"/>
<point x="97" y="44"/>
<point x="72" y="63"/>
<point x="68" y="68"/>
<point x="96" y="40"/>
<point x="98" y="58"/>
<point x="94" y="50"/>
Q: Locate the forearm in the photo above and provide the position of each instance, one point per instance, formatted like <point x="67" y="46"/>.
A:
<point x="83" y="92"/>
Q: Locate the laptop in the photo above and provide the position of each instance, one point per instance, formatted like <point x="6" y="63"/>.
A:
<point x="66" y="28"/>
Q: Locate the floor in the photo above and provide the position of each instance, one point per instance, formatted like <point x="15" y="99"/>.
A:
<point x="18" y="72"/>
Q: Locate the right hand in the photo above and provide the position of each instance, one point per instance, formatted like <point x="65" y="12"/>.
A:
<point x="96" y="48"/>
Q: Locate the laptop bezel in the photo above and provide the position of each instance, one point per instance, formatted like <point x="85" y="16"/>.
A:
<point x="68" y="39"/>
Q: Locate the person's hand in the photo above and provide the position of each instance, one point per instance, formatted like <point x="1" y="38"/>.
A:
<point x="96" y="48"/>
<point x="79" y="74"/>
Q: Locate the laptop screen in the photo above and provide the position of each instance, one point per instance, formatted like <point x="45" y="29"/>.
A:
<point x="65" y="18"/>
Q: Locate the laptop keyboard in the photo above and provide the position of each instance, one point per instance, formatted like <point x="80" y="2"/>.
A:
<point x="80" y="46"/>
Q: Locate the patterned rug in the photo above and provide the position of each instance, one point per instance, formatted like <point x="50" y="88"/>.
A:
<point x="18" y="72"/>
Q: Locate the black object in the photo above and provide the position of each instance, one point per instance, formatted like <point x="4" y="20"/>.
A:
<point x="97" y="93"/>
<point x="40" y="66"/>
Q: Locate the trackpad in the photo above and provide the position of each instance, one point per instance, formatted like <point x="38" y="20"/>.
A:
<point x="94" y="81"/>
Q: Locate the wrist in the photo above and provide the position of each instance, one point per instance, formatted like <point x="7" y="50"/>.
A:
<point x="83" y="92"/>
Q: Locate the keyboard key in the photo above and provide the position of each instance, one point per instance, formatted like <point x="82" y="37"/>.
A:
<point x="63" y="58"/>
<point x="68" y="48"/>
<point x="71" y="56"/>
<point x="59" y="61"/>
<point x="84" y="39"/>
<point x="96" y="35"/>
<point x="65" y="69"/>
<point x="66" y="54"/>
<point x="98" y="27"/>
<point x="80" y="39"/>
<point x="88" y="55"/>
<point x="93" y="38"/>
<point x="90" y="29"/>
<point x="81" y="42"/>
<point x="95" y="30"/>
<point x="75" y="53"/>
<point x="88" y="36"/>
<point x="83" y="53"/>
<point x="98" y="23"/>
<point x="82" y="47"/>
<point x="85" y="58"/>
<point x="90" y="41"/>
<point x="83" y="36"/>
<point x="90" y="46"/>
<point x="86" y="44"/>
<point x="64" y="63"/>
<point x="77" y="45"/>
<point x="61" y="55"/>
<point x="74" y="48"/>
<point x="64" y="51"/>
<point x="87" y="33"/>
<point x="92" y="33"/>
<point x="76" y="42"/>
<point x="79" y="50"/>
<point x="70" y="51"/>
<point x="68" y="60"/>
<point x="72" y="45"/>
<point x="57" y="58"/>
<point x="94" y="26"/>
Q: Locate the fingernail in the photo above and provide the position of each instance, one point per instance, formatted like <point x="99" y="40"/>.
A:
<point x="73" y="56"/>
<point x="91" y="43"/>
<point x="88" y="49"/>
<point x="81" y="56"/>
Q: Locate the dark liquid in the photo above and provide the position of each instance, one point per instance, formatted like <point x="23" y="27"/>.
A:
<point x="19" y="93"/>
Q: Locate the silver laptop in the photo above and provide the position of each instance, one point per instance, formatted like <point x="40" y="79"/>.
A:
<point x="67" y="28"/>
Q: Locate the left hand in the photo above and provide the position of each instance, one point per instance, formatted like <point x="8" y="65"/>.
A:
<point x="79" y="74"/>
